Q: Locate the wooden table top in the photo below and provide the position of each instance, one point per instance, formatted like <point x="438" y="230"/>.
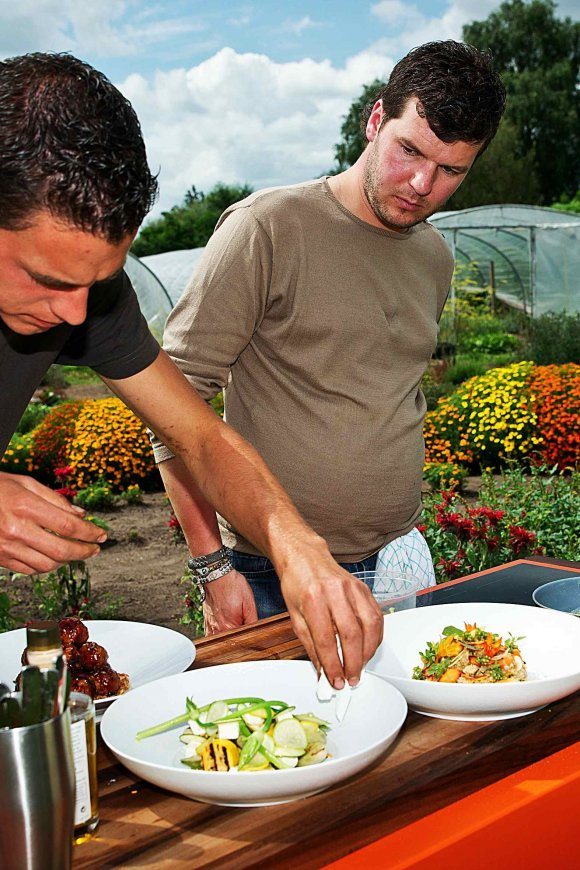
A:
<point x="433" y="763"/>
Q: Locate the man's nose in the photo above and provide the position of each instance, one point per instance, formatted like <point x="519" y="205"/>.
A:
<point x="423" y="180"/>
<point x="72" y="307"/>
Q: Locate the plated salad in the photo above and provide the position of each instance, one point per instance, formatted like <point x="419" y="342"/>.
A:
<point x="471" y="655"/>
<point x="247" y="734"/>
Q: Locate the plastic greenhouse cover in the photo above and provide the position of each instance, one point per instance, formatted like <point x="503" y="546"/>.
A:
<point x="174" y="269"/>
<point x="154" y="301"/>
<point x="534" y="250"/>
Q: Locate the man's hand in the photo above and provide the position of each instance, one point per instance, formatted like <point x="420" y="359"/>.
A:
<point x="229" y="602"/>
<point x="29" y="512"/>
<point x="323" y="601"/>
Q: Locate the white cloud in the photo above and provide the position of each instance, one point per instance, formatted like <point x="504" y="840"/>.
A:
<point x="409" y="26"/>
<point x="118" y="28"/>
<point x="396" y="12"/>
<point x="244" y="118"/>
<point x="298" y="27"/>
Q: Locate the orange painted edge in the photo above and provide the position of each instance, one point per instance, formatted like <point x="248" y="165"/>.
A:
<point x="540" y="797"/>
<point x="469" y="577"/>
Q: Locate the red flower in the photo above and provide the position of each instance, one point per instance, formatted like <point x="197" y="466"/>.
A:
<point x="67" y="491"/>
<point x="174" y="523"/>
<point x="63" y="471"/>
<point x="422" y="528"/>
<point x="451" y="567"/>
<point x="520" y="539"/>
<point x="491" y="515"/>
<point x="463" y="527"/>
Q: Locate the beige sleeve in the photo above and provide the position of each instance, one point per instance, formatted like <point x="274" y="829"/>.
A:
<point x="445" y="269"/>
<point x="220" y="308"/>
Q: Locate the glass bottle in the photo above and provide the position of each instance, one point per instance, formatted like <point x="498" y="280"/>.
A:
<point x="43" y="644"/>
<point x="84" y="741"/>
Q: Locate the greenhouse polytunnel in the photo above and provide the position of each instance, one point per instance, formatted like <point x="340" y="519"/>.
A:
<point x="528" y="254"/>
<point x="154" y="300"/>
<point x="174" y="269"/>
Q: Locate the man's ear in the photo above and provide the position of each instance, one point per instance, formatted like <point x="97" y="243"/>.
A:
<point x="374" y="121"/>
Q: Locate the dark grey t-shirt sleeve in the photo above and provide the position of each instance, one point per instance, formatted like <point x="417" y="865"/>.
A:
<point x="114" y="340"/>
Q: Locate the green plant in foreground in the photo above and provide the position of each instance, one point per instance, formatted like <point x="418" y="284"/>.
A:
<point x="549" y="499"/>
<point x="95" y="496"/>
<point x="515" y="516"/>
<point x="133" y="494"/>
<point x="444" y="475"/>
<point x="7" y="621"/>
<point x="67" y="591"/>
<point x="193" y="605"/>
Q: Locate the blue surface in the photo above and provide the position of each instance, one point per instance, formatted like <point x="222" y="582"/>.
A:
<point x="563" y="594"/>
<point x="513" y="584"/>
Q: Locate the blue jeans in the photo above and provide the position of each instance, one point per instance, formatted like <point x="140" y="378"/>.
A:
<point x="260" y="574"/>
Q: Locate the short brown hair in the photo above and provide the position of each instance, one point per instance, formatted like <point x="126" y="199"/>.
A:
<point x="460" y="94"/>
<point x="71" y="144"/>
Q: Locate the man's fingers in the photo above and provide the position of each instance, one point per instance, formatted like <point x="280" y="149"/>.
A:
<point x="49" y="550"/>
<point x="250" y="612"/>
<point x="44" y="552"/>
<point x="370" y="618"/>
<point x="17" y="566"/>
<point x="350" y="633"/>
<point x="305" y="638"/>
<point x="323" y="634"/>
<point x="69" y="525"/>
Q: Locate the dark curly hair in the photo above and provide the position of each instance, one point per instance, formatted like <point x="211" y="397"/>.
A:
<point x="458" y="90"/>
<point x="71" y="144"/>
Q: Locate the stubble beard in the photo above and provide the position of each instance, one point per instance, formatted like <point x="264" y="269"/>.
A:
<point x="371" y="185"/>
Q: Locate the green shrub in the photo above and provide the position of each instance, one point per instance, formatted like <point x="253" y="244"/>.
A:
<point x="7" y="621"/>
<point x="17" y="455"/>
<point x="444" y="475"/>
<point x="32" y="417"/>
<point x="547" y="499"/>
<point x="133" y="494"/>
<point x="96" y="496"/>
<point x="515" y="517"/>
<point x="434" y="388"/>
<point x="489" y="342"/>
<point x="554" y="338"/>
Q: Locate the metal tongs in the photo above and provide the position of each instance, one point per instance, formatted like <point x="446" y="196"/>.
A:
<point x="43" y="694"/>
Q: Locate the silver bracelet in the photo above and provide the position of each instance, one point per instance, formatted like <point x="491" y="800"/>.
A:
<point x="202" y="576"/>
<point x="196" y="562"/>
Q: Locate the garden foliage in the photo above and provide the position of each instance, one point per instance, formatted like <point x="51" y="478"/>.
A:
<point x="517" y="517"/>
<point x="109" y="442"/>
<point x="554" y="338"/>
<point x="49" y="445"/>
<point x="521" y="411"/>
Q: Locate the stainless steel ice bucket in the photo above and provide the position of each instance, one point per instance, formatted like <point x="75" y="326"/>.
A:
<point x="37" y="796"/>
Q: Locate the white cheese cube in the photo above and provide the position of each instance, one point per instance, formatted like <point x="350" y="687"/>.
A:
<point x="228" y="730"/>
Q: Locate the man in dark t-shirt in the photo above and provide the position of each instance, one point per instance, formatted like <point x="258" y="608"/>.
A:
<point x="74" y="188"/>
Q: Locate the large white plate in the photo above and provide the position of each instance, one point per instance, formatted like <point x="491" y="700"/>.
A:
<point x="143" y="651"/>
<point x="372" y="722"/>
<point x="550" y="648"/>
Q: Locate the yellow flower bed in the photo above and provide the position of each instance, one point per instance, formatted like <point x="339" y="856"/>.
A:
<point x="109" y="442"/>
<point x="490" y="419"/>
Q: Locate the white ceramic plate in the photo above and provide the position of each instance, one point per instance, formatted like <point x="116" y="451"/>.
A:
<point x="550" y="648"/>
<point x="143" y="651"/>
<point x="372" y="722"/>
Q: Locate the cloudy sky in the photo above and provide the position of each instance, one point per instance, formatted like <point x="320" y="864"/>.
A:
<point x="240" y="91"/>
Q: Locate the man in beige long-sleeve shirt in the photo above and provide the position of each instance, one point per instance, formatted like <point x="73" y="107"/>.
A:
<point x="316" y="306"/>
